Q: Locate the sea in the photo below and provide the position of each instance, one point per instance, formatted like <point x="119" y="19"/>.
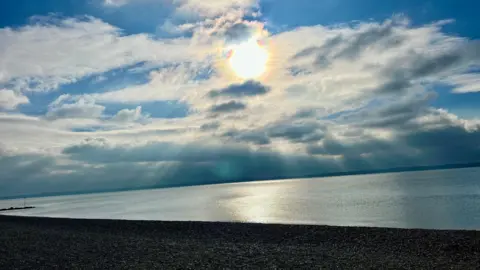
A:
<point x="441" y="199"/>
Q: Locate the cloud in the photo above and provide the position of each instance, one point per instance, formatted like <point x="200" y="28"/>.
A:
<point x="221" y="163"/>
<point x="255" y="137"/>
<point x="306" y="113"/>
<point x="213" y="8"/>
<point x="9" y="99"/>
<point x="293" y="132"/>
<point x="34" y="174"/>
<point x="297" y="131"/>
<point x="417" y="139"/>
<point x="248" y="88"/>
<point x="115" y="3"/>
<point x="98" y="164"/>
<point x="73" y="48"/>
<point x="376" y="35"/>
<point x="404" y="61"/>
<point x="335" y="98"/>
<point x="127" y="115"/>
<point x="398" y="114"/>
<point x="178" y="81"/>
<point x="230" y="106"/>
<point x="210" y="126"/>
<point x="238" y="32"/>
<point x="15" y="169"/>
<point x="191" y="8"/>
<point x="464" y="83"/>
<point x="115" y="165"/>
<point x="352" y="45"/>
<point x="402" y="72"/>
<point x="420" y="148"/>
<point x="67" y="106"/>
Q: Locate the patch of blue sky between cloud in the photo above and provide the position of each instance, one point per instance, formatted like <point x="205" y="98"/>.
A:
<point x="465" y="105"/>
<point x="282" y="15"/>
<point x="96" y="83"/>
<point x="127" y="16"/>
<point x="170" y="18"/>
<point x="16" y="13"/>
<point x="19" y="12"/>
<point x="166" y="109"/>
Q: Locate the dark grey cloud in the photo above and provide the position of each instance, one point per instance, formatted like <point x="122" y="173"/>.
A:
<point x="97" y="152"/>
<point x="442" y="145"/>
<point x="291" y="131"/>
<point x="100" y="165"/>
<point x="35" y="174"/>
<point x="298" y="71"/>
<point x="231" y="106"/>
<point x="259" y="139"/>
<point x="16" y="170"/>
<point x="306" y="113"/>
<point x="442" y="139"/>
<point x="238" y="32"/>
<point x="449" y="144"/>
<point x="22" y="166"/>
<point x="248" y="88"/>
<point x="394" y="84"/>
<point x="210" y="126"/>
<point x="296" y="132"/>
<point x="198" y="164"/>
<point x="332" y="146"/>
<point x="255" y="137"/>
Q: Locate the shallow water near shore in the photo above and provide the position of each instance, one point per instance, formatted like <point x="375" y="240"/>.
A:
<point x="443" y="199"/>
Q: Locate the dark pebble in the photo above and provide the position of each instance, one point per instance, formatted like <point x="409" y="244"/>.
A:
<point x="48" y="243"/>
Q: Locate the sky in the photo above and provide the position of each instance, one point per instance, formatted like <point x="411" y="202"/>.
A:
<point x="124" y="94"/>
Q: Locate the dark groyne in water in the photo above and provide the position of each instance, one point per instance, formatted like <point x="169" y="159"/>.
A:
<point x="16" y="208"/>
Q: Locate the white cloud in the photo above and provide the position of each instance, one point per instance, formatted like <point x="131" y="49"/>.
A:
<point x="169" y="83"/>
<point x="10" y="99"/>
<point x="312" y="68"/>
<point x="67" y="106"/>
<point x="115" y="3"/>
<point x="67" y="50"/>
<point x="465" y="83"/>
<point x="189" y="8"/>
<point x="127" y="115"/>
<point x="211" y="8"/>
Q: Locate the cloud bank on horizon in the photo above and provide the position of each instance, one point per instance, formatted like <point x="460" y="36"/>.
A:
<point x="142" y="93"/>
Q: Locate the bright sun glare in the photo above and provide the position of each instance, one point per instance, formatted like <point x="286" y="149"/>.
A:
<point x="248" y="59"/>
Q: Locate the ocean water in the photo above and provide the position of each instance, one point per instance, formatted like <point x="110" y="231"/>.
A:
<point x="444" y="199"/>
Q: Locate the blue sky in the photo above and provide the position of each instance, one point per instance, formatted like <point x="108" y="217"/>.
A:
<point x="141" y="93"/>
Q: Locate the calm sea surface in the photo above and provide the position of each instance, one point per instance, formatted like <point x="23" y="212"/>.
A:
<point x="446" y="199"/>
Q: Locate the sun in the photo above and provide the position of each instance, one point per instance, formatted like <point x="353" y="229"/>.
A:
<point x="248" y="60"/>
